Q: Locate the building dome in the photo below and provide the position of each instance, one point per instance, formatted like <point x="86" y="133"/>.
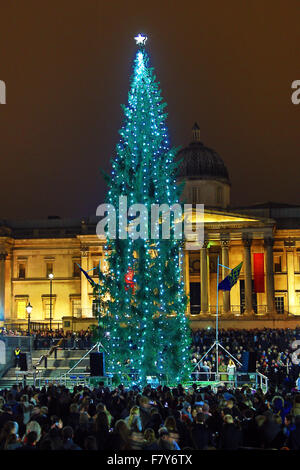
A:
<point x="204" y="173"/>
<point x="200" y="162"/>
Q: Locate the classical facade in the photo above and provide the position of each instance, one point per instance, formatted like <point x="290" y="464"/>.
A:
<point x="31" y="250"/>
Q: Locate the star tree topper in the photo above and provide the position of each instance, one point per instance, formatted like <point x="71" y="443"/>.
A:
<point x="141" y="39"/>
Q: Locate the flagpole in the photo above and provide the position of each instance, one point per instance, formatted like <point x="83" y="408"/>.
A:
<point x="216" y="343"/>
<point x="217" y="324"/>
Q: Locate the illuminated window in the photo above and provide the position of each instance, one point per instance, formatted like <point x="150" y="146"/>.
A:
<point x="76" y="307"/>
<point x="49" y="268"/>
<point x="21" y="271"/>
<point x="279" y="304"/>
<point x="48" y="304"/>
<point x="277" y="264"/>
<point x="96" y="268"/>
<point x="20" y="307"/>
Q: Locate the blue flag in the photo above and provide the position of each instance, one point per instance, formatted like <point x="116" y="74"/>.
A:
<point x="231" y="279"/>
<point x="86" y="275"/>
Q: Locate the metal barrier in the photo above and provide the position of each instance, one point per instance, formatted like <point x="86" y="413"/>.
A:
<point x="238" y="379"/>
<point x="36" y="379"/>
<point x="263" y="381"/>
<point x="66" y="374"/>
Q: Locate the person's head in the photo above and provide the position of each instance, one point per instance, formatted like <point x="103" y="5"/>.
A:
<point x="135" y="411"/>
<point x="90" y="443"/>
<point x="101" y="421"/>
<point x="187" y="406"/>
<point x="16" y="428"/>
<point x="11" y="439"/>
<point x="149" y="435"/>
<point x="32" y="438"/>
<point x="84" y="418"/>
<point x="164" y="435"/>
<point x="122" y="429"/>
<point x="34" y="426"/>
<point x="100" y="407"/>
<point x="170" y="424"/>
<point x="2" y="402"/>
<point x="229" y="404"/>
<point x="24" y="398"/>
<point x="205" y="408"/>
<point x="144" y="402"/>
<point x="44" y="410"/>
<point x="200" y="418"/>
<point x="74" y="408"/>
<point x="67" y="433"/>
<point x="228" y="419"/>
<point x="8" y="429"/>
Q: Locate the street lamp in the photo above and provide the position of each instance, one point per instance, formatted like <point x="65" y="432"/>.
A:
<point x="51" y="279"/>
<point x="28" y="309"/>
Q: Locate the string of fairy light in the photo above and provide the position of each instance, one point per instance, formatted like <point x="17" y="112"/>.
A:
<point x="143" y="161"/>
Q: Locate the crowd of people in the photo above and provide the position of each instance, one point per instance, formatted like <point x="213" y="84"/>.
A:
<point x="45" y="339"/>
<point x="70" y="339"/>
<point x="273" y="348"/>
<point x="162" y="418"/>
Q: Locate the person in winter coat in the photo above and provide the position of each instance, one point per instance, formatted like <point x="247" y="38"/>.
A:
<point x="200" y="433"/>
<point x="231" y="437"/>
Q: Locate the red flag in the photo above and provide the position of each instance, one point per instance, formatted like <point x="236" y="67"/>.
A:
<point x="259" y="272"/>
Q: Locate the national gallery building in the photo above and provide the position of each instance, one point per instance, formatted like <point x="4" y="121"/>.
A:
<point x="266" y="237"/>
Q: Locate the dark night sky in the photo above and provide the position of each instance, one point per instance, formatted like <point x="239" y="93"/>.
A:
<point x="66" y="64"/>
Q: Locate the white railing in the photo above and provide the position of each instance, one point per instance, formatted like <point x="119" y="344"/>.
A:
<point x="35" y="373"/>
<point x="66" y="374"/>
<point x="263" y="381"/>
<point x="238" y="379"/>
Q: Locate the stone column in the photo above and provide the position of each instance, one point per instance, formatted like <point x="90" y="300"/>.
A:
<point x="225" y="272"/>
<point x="269" y="242"/>
<point x="290" y="276"/>
<point x="248" y="275"/>
<point x="2" y="285"/>
<point x="84" y="282"/>
<point x="186" y="277"/>
<point x="204" y="278"/>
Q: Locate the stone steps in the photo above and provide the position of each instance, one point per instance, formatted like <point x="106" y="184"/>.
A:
<point x="56" y="367"/>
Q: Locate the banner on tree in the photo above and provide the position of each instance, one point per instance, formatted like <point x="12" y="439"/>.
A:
<point x="259" y="272"/>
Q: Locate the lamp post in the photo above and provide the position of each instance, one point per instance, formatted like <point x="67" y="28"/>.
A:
<point x="28" y="309"/>
<point x="51" y="278"/>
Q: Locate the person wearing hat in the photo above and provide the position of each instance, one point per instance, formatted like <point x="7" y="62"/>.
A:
<point x="165" y="441"/>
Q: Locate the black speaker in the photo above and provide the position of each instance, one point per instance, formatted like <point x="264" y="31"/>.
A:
<point x="252" y="361"/>
<point x="23" y="362"/>
<point x="97" y="364"/>
<point x="249" y="361"/>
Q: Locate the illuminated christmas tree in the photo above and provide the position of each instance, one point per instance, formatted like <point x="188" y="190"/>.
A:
<point x="146" y="322"/>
